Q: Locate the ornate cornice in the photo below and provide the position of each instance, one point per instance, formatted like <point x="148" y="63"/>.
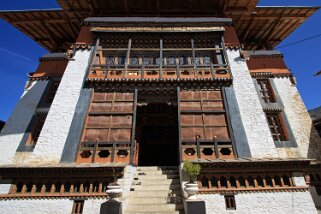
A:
<point x="250" y="165"/>
<point x="157" y="29"/>
<point x="264" y="75"/>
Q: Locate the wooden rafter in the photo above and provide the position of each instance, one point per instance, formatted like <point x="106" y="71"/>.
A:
<point x="266" y="26"/>
<point x="125" y="2"/>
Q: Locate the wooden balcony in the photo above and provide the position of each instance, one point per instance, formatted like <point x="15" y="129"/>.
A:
<point x="155" y="72"/>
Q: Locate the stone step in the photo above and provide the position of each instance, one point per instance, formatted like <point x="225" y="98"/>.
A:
<point x="149" y="200"/>
<point x="153" y="168"/>
<point x="155" y="200"/>
<point x="158" y="172"/>
<point x="157" y="181"/>
<point x="154" y="207"/>
<point x="155" y="212"/>
<point x="153" y="193"/>
<point x="157" y="187"/>
<point x="150" y="177"/>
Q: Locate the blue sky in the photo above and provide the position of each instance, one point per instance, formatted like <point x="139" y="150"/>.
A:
<point x="19" y="54"/>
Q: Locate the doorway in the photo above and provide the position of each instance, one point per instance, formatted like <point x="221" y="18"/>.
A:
<point x="157" y="134"/>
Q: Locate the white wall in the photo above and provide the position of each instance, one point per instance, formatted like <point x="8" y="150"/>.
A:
<point x="299" y="119"/>
<point x="36" y="206"/>
<point x="56" y="127"/>
<point x="270" y="203"/>
<point x="254" y="121"/>
<point x="92" y="206"/>
<point x="19" y="120"/>
<point x="47" y="206"/>
<point x="5" y="185"/>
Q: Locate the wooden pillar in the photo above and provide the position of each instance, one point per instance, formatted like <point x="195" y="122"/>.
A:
<point x="273" y="181"/>
<point x="13" y="189"/>
<point x="100" y="188"/>
<point x="53" y="188"/>
<point x="127" y="56"/>
<point x="62" y="189"/>
<point x="264" y="182"/>
<point x="255" y="182"/>
<point x="282" y="182"/>
<point x="161" y="58"/>
<point x="91" y="187"/>
<point x="209" y="183"/>
<point x="24" y="189"/>
<point x="72" y="188"/>
<point x="81" y="188"/>
<point x="193" y="54"/>
<point x="33" y="189"/>
<point x="237" y="183"/>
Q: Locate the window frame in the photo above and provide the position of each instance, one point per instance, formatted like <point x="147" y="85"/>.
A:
<point x="230" y="202"/>
<point x="78" y="207"/>
<point x="280" y="133"/>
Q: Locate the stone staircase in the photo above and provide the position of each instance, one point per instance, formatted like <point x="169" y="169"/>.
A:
<point x="155" y="190"/>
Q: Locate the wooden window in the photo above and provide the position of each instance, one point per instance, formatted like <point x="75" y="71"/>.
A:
<point x="276" y="125"/>
<point x="266" y="90"/>
<point x="230" y="202"/>
<point x="78" y="207"/>
<point x="36" y="128"/>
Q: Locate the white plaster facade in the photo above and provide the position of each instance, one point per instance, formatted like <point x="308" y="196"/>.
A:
<point x="92" y="206"/>
<point x="17" y="124"/>
<point x="36" y="206"/>
<point x="48" y="206"/>
<point x="253" y="117"/>
<point x="54" y="133"/>
<point x="4" y="188"/>
<point x="274" y="202"/>
<point x="306" y="136"/>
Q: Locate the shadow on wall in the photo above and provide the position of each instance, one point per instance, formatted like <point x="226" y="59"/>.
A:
<point x="1" y="124"/>
<point x="314" y="150"/>
<point x="24" y="110"/>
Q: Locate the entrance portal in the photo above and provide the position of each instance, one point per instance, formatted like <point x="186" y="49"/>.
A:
<point x="157" y="134"/>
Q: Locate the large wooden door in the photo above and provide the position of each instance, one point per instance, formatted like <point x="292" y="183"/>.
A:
<point x="203" y="127"/>
<point x="109" y="129"/>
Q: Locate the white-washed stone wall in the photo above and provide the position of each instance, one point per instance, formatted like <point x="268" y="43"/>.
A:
<point x="253" y="117"/>
<point x="92" y="206"/>
<point x="126" y="183"/>
<point x="19" y="120"/>
<point x="127" y="180"/>
<point x="5" y="186"/>
<point x="274" y="202"/>
<point x="306" y="136"/>
<point x="36" y="206"/>
<point x="298" y="179"/>
<point x="54" y="133"/>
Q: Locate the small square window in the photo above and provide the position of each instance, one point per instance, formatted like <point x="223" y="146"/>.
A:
<point x="230" y="202"/>
<point x="78" y="207"/>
